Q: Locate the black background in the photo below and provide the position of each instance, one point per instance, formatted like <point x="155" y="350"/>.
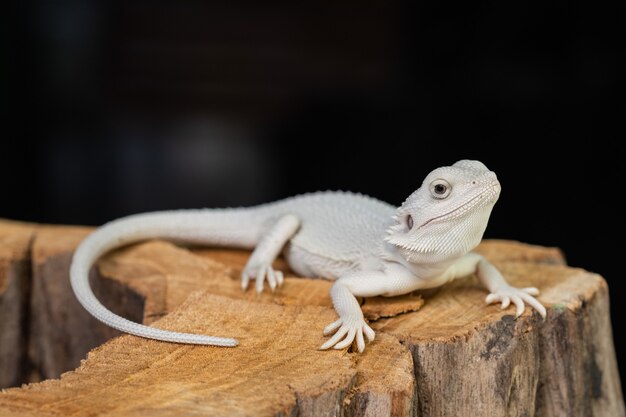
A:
<point x="116" y="108"/>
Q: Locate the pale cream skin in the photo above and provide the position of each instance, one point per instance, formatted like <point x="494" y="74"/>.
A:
<point x="457" y="201"/>
<point x="369" y="247"/>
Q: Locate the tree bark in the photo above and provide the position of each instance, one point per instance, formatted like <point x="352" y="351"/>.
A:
<point x="438" y="353"/>
<point x="15" y="238"/>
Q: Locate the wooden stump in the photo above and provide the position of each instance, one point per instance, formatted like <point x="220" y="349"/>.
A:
<point x="15" y="239"/>
<point x="442" y="353"/>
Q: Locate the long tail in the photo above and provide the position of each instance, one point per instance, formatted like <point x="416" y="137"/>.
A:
<point x="232" y="227"/>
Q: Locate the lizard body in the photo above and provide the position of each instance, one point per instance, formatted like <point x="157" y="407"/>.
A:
<point x="367" y="246"/>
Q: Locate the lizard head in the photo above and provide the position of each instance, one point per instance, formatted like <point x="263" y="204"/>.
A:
<point x="446" y="217"/>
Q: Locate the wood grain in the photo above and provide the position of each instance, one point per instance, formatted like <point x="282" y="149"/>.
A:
<point x="15" y="241"/>
<point x="436" y="353"/>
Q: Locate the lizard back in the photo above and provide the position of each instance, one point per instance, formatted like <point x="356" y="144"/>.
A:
<point x="339" y="231"/>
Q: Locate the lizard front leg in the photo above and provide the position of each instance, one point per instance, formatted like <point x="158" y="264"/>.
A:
<point x="351" y="325"/>
<point x="499" y="289"/>
<point x="502" y="291"/>
<point x="259" y="265"/>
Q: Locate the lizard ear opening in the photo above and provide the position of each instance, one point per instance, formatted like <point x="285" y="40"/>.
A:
<point x="409" y="222"/>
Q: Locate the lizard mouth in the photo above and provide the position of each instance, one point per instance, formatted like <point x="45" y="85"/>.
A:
<point x="491" y="191"/>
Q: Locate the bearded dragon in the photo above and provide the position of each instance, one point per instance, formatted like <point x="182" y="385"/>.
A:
<point x="368" y="247"/>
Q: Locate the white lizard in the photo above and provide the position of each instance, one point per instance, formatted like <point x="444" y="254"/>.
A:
<point x="369" y="247"/>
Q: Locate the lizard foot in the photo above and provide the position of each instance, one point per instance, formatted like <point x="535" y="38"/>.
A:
<point x="345" y="332"/>
<point x="261" y="273"/>
<point x="517" y="296"/>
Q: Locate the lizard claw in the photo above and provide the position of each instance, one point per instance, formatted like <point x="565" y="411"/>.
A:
<point x="517" y="296"/>
<point x="261" y="273"/>
<point x="345" y="332"/>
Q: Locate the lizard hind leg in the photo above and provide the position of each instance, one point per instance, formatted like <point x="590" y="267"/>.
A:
<point x="259" y="266"/>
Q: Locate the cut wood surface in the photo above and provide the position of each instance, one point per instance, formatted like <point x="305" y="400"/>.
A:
<point x="440" y="353"/>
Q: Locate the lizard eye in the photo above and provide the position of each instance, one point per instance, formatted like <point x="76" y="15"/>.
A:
<point x="440" y="188"/>
<point x="409" y="222"/>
